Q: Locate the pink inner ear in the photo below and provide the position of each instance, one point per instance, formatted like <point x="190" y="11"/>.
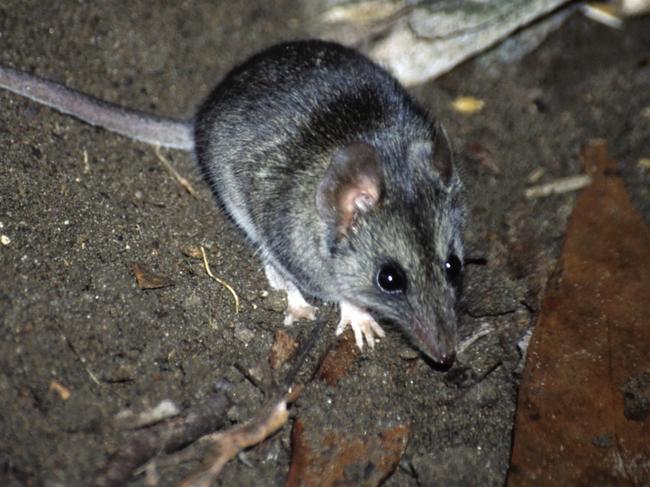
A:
<point x="355" y="199"/>
<point x="364" y="193"/>
<point x="365" y="201"/>
<point x="352" y="184"/>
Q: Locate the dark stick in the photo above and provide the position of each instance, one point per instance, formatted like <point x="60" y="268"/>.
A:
<point x="168" y="437"/>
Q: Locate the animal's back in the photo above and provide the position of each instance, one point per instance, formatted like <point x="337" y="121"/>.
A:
<point x="265" y="136"/>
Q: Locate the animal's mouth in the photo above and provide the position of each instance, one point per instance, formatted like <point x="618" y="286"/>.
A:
<point x="439" y="348"/>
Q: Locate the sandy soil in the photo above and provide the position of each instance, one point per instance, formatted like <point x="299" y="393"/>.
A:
<point x="80" y="206"/>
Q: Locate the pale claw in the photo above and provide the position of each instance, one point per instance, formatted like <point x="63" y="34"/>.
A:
<point x="297" y="307"/>
<point x="363" y="325"/>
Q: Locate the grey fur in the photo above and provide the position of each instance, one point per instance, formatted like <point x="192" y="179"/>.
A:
<point x="131" y="123"/>
<point x="264" y="140"/>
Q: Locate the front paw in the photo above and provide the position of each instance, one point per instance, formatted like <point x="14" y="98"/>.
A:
<point x="298" y="309"/>
<point x="363" y="325"/>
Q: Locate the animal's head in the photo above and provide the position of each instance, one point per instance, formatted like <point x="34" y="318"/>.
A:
<point x="394" y="222"/>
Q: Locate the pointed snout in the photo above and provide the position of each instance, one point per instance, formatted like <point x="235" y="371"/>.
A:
<point x="447" y="359"/>
<point x="437" y="342"/>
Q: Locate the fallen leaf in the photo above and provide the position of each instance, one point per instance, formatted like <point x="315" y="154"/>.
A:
<point x="284" y="347"/>
<point x="63" y="392"/>
<point x="338" y="359"/>
<point x="330" y="458"/>
<point x="583" y="402"/>
<point x="146" y="279"/>
<point x="192" y="251"/>
<point x="467" y="105"/>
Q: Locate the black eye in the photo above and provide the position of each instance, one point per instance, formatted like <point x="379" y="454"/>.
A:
<point x="391" y="278"/>
<point x="453" y="268"/>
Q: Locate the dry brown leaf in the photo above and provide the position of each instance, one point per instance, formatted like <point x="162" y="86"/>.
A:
<point x="329" y="457"/>
<point x="338" y="359"/>
<point x="284" y="347"/>
<point x="582" y="416"/>
<point x="192" y="251"/>
<point x="467" y="105"/>
<point x="146" y="279"/>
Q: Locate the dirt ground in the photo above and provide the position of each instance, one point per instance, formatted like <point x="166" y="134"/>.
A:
<point x="79" y="206"/>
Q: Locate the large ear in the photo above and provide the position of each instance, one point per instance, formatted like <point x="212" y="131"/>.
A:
<point x="353" y="184"/>
<point x="443" y="158"/>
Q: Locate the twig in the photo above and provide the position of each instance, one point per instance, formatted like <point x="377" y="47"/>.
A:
<point x="185" y="184"/>
<point x="220" y="281"/>
<point x="305" y="348"/>
<point x="179" y="437"/>
<point x="269" y="419"/>
<point x="227" y="444"/>
<point x="79" y="357"/>
<point x="485" y="329"/>
<point x="168" y="436"/>
<point x="563" y="185"/>
<point x="130" y="420"/>
<point x="257" y="375"/>
<point x="86" y="162"/>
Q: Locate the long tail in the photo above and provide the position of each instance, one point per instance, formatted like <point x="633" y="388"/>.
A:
<point x="136" y="125"/>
